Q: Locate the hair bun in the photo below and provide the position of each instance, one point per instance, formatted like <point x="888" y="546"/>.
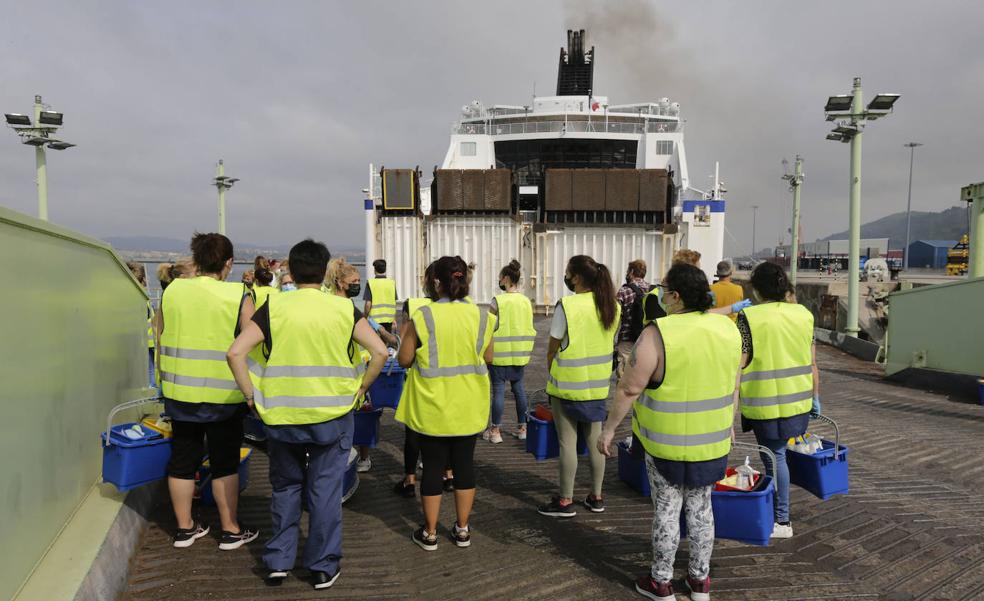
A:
<point x="514" y="264"/>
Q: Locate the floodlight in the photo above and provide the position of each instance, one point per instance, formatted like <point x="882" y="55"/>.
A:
<point x="17" y="119"/>
<point x="846" y="131"/>
<point x="232" y="180"/>
<point x="59" y="145"/>
<point x="221" y="178"/>
<point x="839" y="103"/>
<point x="36" y="141"/>
<point x="50" y="118"/>
<point x="883" y="102"/>
<point x="835" y="137"/>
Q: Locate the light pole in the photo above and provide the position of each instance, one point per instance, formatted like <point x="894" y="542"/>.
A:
<point x="755" y="209"/>
<point x="38" y="135"/>
<point x="908" y="207"/>
<point x="795" y="182"/>
<point x="848" y="110"/>
<point x="223" y="183"/>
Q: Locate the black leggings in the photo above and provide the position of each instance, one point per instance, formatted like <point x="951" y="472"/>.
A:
<point x="188" y="447"/>
<point x="411" y="450"/>
<point x="456" y="452"/>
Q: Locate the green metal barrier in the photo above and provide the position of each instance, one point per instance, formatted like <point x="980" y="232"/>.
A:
<point x="74" y="345"/>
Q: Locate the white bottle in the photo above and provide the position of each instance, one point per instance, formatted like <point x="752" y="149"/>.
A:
<point x="746" y="476"/>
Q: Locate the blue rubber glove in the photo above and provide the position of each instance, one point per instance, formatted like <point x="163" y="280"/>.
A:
<point x="815" y="410"/>
<point x="742" y="304"/>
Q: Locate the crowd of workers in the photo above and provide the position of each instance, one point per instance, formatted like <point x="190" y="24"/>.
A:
<point x="290" y="344"/>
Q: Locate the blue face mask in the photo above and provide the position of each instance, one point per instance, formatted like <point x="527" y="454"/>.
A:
<point x="288" y="288"/>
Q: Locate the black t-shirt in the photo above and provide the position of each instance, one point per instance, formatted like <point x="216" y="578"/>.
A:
<point x="262" y="319"/>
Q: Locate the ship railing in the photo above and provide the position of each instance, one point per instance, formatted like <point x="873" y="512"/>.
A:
<point x="540" y="127"/>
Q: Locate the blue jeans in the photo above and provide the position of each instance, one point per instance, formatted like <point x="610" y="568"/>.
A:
<point x="500" y="374"/>
<point x="780" y="473"/>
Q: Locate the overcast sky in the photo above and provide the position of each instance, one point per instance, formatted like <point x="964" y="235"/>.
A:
<point x="298" y="97"/>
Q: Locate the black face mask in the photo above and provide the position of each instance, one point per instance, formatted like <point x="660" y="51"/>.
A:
<point x="502" y="286"/>
<point x="353" y="290"/>
<point x="569" y="283"/>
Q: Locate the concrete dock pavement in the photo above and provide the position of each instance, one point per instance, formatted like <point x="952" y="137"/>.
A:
<point x="911" y="528"/>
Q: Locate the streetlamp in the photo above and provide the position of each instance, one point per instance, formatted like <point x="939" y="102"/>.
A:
<point x="908" y="207"/>
<point x="851" y="116"/>
<point x="38" y="135"/>
<point x="795" y="181"/>
<point x="223" y="183"/>
<point x="755" y="209"/>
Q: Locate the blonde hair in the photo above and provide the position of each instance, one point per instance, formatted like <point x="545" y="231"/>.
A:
<point x="338" y="269"/>
<point x="687" y="256"/>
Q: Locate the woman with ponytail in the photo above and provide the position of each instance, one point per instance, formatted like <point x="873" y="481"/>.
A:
<point x="579" y="355"/>
<point x="780" y="387"/>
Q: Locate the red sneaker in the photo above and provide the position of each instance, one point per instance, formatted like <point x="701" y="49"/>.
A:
<point x="652" y="589"/>
<point x="700" y="590"/>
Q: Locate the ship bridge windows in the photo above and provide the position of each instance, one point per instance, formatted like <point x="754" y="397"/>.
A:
<point x="529" y="158"/>
<point x="664" y="147"/>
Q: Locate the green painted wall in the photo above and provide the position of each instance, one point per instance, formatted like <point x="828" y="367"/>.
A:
<point x="74" y="345"/>
<point x="937" y="327"/>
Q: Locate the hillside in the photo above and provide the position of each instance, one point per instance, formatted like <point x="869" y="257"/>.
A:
<point x="949" y="224"/>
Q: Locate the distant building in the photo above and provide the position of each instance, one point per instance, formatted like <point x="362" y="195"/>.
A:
<point x="929" y="254"/>
<point x="870" y="248"/>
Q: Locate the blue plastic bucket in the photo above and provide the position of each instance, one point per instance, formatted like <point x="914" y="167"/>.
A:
<point x="542" y="442"/>
<point x="366" y="432"/>
<point x="351" y="481"/>
<point x="821" y="473"/>
<point x="205" y="477"/>
<point x="128" y="463"/>
<point x="387" y="388"/>
<point x="632" y="470"/>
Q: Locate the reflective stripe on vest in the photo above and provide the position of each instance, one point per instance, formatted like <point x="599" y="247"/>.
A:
<point x="689" y="416"/>
<point x="200" y="317"/>
<point x="514" y="334"/>
<point x="778" y="381"/>
<point x="383" y="308"/>
<point x="582" y="371"/>
<point x="312" y="372"/>
<point x="447" y="390"/>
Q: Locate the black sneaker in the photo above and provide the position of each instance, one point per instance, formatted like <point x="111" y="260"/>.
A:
<point x="594" y="504"/>
<point x="404" y="490"/>
<point x="460" y="536"/>
<point x="234" y="540"/>
<point x="186" y="538"/>
<point x="449" y="485"/>
<point x="555" y="510"/>
<point x="427" y="542"/>
<point x="322" y="580"/>
<point x="276" y="577"/>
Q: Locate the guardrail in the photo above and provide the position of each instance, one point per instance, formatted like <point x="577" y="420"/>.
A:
<point x="570" y="126"/>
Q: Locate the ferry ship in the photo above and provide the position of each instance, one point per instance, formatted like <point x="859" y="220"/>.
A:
<point x="567" y="174"/>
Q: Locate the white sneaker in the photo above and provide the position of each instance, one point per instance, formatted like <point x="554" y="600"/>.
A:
<point x="495" y="437"/>
<point x="520" y="434"/>
<point x="363" y="465"/>
<point x="487" y="435"/>
<point x="782" y="531"/>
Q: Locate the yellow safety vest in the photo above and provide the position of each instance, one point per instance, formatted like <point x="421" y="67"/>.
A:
<point x="415" y="303"/>
<point x="261" y="293"/>
<point x="310" y="375"/>
<point x="514" y="334"/>
<point x="151" y="343"/>
<point x="383" y="308"/>
<point x="447" y="390"/>
<point x="689" y="416"/>
<point x="582" y="370"/>
<point x="778" y="381"/>
<point x="200" y="317"/>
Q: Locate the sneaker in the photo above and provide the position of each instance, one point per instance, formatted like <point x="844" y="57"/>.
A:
<point x="700" y="590"/>
<point x="487" y="435"/>
<point x="363" y="465"/>
<point x="427" y="542"/>
<point x="460" y="536"/>
<point x="449" y="485"/>
<point x="594" y="504"/>
<point x="554" y="509"/>
<point x="496" y="437"/>
<point x="407" y="491"/>
<point x="186" y="538"/>
<point x="234" y="540"/>
<point x="276" y="577"/>
<point x="657" y="591"/>
<point x="322" y="580"/>
<point x="521" y="433"/>
<point x="782" y="530"/>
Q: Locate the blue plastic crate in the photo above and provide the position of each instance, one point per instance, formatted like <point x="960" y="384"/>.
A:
<point x="742" y="516"/>
<point x="541" y="439"/>
<point x="820" y="473"/>
<point x="387" y="388"/>
<point x="128" y="464"/>
<point x="366" y="432"/>
<point x="351" y="481"/>
<point x="205" y="477"/>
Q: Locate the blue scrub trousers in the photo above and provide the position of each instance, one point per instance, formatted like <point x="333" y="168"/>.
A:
<point x="779" y="472"/>
<point x="318" y="472"/>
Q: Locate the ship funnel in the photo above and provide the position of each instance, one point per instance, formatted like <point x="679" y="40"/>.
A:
<point x="575" y="74"/>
